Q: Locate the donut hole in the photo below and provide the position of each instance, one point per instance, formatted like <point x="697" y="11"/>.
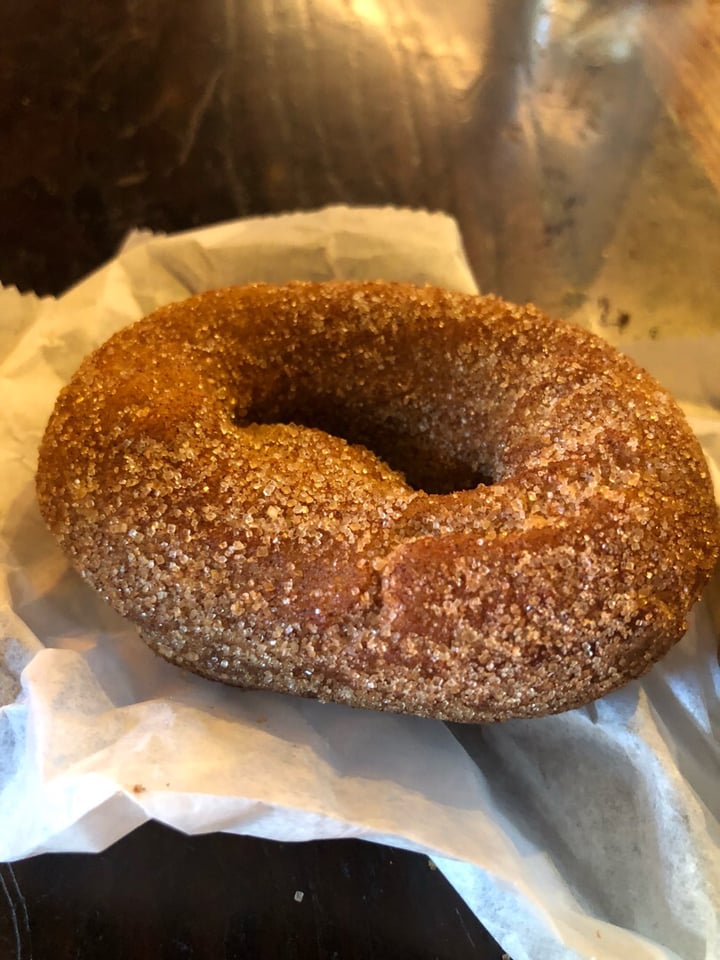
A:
<point x="427" y="466"/>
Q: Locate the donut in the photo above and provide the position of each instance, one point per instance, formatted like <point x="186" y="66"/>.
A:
<point x="388" y="496"/>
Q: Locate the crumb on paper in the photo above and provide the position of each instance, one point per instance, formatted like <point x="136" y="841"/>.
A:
<point x="139" y="788"/>
<point x="298" y="897"/>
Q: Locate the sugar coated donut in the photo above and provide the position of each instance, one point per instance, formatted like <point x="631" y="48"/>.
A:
<point x="383" y="495"/>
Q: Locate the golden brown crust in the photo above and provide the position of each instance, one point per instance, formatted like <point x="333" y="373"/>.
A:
<point x="177" y="474"/>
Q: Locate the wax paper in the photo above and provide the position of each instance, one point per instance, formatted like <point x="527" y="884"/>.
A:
<point x="593" y="834"/>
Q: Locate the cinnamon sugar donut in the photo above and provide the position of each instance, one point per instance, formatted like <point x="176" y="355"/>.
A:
<point x="387" y="496"/>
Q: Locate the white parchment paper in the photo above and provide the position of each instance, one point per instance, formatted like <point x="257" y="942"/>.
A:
<point x="595" y="834"/>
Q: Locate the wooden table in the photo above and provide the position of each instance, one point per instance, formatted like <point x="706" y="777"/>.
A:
<point x="175" y="113"/>
<point x="160" y="894"/>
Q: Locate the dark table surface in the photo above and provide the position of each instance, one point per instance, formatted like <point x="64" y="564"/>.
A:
<point x="157" y="894"/>
<point x="171" y="114"/>
<point x="175" y="113"/>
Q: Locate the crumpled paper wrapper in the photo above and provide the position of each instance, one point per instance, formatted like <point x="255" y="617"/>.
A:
<point x="593" y="834"/>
